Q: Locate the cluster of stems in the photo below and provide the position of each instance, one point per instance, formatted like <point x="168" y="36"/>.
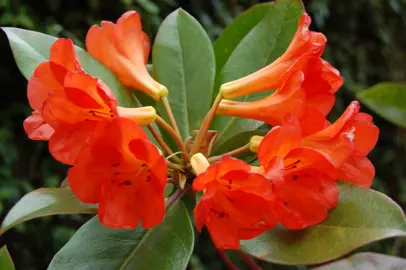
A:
<point x="182" y="163"/>
<point x="180" y="160"/>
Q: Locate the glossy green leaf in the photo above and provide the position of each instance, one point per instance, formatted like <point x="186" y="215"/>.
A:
<point x="362" y="216"/>
<point x="387" y="100"/>
<point x="94" y="246"/>
<point x="183" y="61"/>
<point x="366" y="261"/>
<point x="31" y="48"/>
<point x="228" y="41"/>
<point x="266" y="32"/>
<point x="45" y="202"/>
<point x="6" y="263"/>
<point x="239" y="140"/>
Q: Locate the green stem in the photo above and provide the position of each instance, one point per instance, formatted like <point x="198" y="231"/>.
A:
<point x="162" y="143"/>
<point x="174" y="166"/>
<point x="174" y="135"/>
<point x="234" y="152"/>
<point x="174" y="197"/>
<point x="206" y="125"/>
<point x="171" y="117"/>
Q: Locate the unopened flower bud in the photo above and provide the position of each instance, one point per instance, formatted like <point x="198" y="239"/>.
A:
<point x="199" y="163"/>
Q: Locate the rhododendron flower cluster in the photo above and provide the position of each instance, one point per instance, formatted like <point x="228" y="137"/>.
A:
<point x="116" y="165"/>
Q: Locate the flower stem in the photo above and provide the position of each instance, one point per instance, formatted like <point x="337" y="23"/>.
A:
<point x="169" y="112"/>
<point x="206" y="125"/>
<point x="174" y="197"/>
<point x="234" y="152"/>
<point x="227" y="261"/>
<point x="174" y="166"/>
<point x="248" y="260"/>
<point x="162" y="143"/>
<point x="175" y="136"/>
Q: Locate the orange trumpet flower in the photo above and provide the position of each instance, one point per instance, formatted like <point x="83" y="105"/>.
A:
<point x="347" y="142"/>
<point x="68" y="104"/>
<point x="306" y="91"/>
<point x="124" y="173"/>
<point x="124" y="48"/>
<point x="303" y="178"/>
<point x="47" y="78"/>
<point x="235" y="204"/>
<point x="269" y="77"/>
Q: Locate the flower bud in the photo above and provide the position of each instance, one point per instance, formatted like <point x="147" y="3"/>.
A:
<point x="199" y="163"/>
<point x="141" y="116"/>
<point x="255" y="142"/>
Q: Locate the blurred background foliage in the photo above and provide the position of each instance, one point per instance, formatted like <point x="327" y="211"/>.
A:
<point x="367" y="41"/>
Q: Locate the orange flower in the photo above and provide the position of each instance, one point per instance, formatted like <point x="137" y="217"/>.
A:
<point x="307" y="92"/>
<point x="303" y="178"/>
<point x="304" y="41"/>
<point x="75" y="110"/>
<point x="47" y="78"/>
<point x="347" y="142"/>
<point x="124" y="173"/>
<point x="124" y="48"/>
<point x="235" y="204"/>
<point x="356" y="167"/>
<point x="68" y="103"/>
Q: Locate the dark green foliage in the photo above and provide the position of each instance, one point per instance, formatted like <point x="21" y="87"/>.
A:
<point x="366" y="43"/>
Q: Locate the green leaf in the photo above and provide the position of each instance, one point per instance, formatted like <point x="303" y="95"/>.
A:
<point x="6" y="263"/>
<point x="255" y="39"/>
<point x="94" y="246"/>
<point x="183" y="61"/>
<point x="388" y="100"/>
<point x="362" y="216"/>
<point x="31" y="48"/>
<point x="228" y="41"/>
<point x="240" y="138"/>
<point x="45" y="202"/>
<point x="366" y="261"/>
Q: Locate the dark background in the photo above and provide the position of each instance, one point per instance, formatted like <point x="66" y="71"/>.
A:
<point x="367" y="43"/>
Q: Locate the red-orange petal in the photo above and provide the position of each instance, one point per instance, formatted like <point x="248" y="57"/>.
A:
<point x="47" y="78"/>
<point x="307" y="158"/>
<point x="305" y="198"/>
<point x="305" y="41"/>
<point x="36" y="128"/>
<point x="357" y="170"/>
<point x="289" y="98"/>
<point x="312" y="121"/>
<point x="69" y="141"/>
<point x="63" y="53"/>
<point x="121" y="131"/>
<point x="122" y="55"/>
<point x="218" y="170"/>
<point x="90" y="171"/>
<point x="331" y="131"/>
<point x="147" y="152"/>
<point x="279" y="141"/>
<point x="130" y="38"/>
<point x="365" y="135"/>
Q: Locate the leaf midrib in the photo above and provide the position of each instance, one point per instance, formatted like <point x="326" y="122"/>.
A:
<point x="186" y="114"/>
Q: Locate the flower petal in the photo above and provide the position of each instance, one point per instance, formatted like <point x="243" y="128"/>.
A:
<point x="331" y="131"/>
<point x="63" y="53"/>
<point x="36" y="128"/>
<point x="48" y="77"/>
<point x="279" y="141"/>
<point x="289" y="98"/>
<point x="69" y="141"/>
<point x="357" y="170"/>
